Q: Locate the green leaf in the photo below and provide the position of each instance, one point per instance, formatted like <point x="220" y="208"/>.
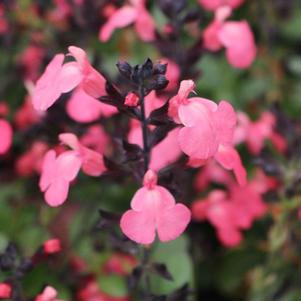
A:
<point x="178" y="262"/>
<point x="113" y="285"/>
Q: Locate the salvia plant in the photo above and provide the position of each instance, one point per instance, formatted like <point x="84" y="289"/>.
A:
<point x="149" y="150"/>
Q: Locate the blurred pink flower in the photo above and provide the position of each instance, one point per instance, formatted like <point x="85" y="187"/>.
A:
<point x="173" y="73"/>
<point x="136" y="13"/>
<point x="211" y="172"/>
<point x="52" y="246"/>
<point x="59" y="78"/>
<point x="215" y="4"/>
<point x="26" y="115"/>
<point x="5" y="290"/>
<point x="3" y="22"/>
<point x="84" y="108"/>
<point x="232" y="212"/>
<point x="31" y="161"/>
<point x="221" y="213"/>
<point x="49" y="294"/>
<point x="154" y="210"/>
<point x="30" y="60"/>
<point x="255" y="133"/>
<point x="6" y="136"/>
<point x="235" y="36"/>
<point x="97" y="139"/>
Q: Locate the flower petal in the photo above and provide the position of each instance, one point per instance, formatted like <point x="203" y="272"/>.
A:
<point x="138" y="226"/>
<point x="172" y="222"/>
<point x="229" y="158"/>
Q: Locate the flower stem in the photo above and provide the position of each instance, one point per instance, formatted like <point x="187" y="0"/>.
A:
<point x="146" y="159"/>
<point x="146" y="148"/>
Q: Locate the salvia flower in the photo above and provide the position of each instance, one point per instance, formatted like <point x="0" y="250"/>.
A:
<point x="154" y="210"/>
<point x="235" y="36"/>
<point x="136" y="13"/>
<point x="48" y="294"/>
<point x="207" y="130"/>
<point x="59" y="171"/>
<point x="52" y="246"/>
<point x="6" y="133"/>
<point x="60" y="78"/>
<point x="5" y="290"/>
<point x="232" y="212"/>
<point x="255" y="133"/>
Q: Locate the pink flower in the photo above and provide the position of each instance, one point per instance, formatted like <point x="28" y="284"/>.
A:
<point x="4" y="109"/>
<point x="131" y="100"/>
<point x="221" y="214"/>
<point x="48" y="294"/>
<point x="52" y="246"/>
<point x="207" y="130"/>
<point x="211" y="172"/>
<point x="154" y="210"/>
<point x="97" y="139"/>
<point x="215" y="4"/>
<point x="6" y="136"/>
<point x="84" y="108"/>
<point x="30" y="60"/>
<point x="4" y="26"/>
<point x="232" y="212"/>
<point x="91" y="162"/>
<point x="26" y="115"/>
<point x="59" y="78"/>
<point x="235" y="36"/>
<point x="31" y="161"/>
<point x="135" y="13"/>
<point x="255" y="133"/>
<point x="5" y="290"/>
<point x="58" y="172"/>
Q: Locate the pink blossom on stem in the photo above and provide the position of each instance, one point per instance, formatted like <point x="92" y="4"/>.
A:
<point x="154" y="210"/>
<point x="134" y="13"/>
<point x="60" y="78"/>
<point x="207" y="130"/>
